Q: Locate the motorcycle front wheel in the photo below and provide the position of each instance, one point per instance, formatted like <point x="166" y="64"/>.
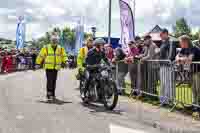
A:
<point x="110" y="96"/>
<point x="83" y="95"/>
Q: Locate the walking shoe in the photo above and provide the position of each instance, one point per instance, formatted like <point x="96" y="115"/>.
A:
<point x="50" y="98"/>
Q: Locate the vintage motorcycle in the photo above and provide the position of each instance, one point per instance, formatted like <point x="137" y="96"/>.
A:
<point x="102" y="87"/>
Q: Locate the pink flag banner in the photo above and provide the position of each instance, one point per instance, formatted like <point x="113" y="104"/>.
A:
<point x="127" y="23"/>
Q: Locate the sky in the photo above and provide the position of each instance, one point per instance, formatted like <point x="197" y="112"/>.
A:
<point x="42" y="15"/>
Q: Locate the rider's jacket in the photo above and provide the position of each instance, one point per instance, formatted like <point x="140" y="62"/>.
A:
<point x="95" y="57"/>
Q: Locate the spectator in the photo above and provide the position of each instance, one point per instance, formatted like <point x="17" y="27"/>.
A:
<point x="22" y="64"/>
<point x="137" y="40"/>
<point x="151" y="49"/>
<point x="139" y="43"/>
<point x="109" y="51"/>
<point x="132" y="67"/>
<point x="151" y="68"/>
<point x="122" y="69"/>
<point x="131" y="52"/>
<point x="9" y="63"/>
<point x="141" y="47"/>
<point x="168" y="53"/>
<point x="4" y="61"/>
<point x="143" y="50"/>
<point x="188" y="54"/>
<point x="168" y="48"/>
<point x="1" y="59"/>
<point x="33" y="56"/>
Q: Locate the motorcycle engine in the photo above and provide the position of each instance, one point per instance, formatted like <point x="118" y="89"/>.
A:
<point x="105" y="74"/>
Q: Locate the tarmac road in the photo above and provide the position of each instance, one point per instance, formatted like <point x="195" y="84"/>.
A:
<point x="23" y="108"/>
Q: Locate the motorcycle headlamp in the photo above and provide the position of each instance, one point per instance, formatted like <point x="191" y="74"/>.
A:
<point x="105" y="73"/>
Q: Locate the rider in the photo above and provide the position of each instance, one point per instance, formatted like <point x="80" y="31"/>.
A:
<point x="94" y="57"/>
<point x="97" y="54"/>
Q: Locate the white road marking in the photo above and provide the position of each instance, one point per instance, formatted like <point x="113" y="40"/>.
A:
<point x="120" y="129"/>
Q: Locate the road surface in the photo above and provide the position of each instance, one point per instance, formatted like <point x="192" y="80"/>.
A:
<point x="23" y="108"/>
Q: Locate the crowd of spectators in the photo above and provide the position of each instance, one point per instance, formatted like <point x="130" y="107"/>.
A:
<point x="162" y="57"/>
<point x="16" y="60"/>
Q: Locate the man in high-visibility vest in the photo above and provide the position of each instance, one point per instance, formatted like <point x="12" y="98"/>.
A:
<point x="53" y="57"/>
<point x="83" y="54"/>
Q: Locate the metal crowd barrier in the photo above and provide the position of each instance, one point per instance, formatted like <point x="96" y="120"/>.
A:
<point x="170" y="82"/>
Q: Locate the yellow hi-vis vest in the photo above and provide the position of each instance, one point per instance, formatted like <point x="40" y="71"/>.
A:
<point x="81" y="56"/>
<point x="51" y="59"/>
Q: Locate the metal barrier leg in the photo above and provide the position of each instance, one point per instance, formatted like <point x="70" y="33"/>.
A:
<point x="176" y="103"/>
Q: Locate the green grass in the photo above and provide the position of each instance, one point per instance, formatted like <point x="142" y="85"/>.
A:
<point x="183" y="93"/>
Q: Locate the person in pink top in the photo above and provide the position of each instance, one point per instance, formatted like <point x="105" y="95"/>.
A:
<point x="132" y="52"/>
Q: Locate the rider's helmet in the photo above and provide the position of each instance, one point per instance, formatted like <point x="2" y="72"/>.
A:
<point x="99" y="42"/>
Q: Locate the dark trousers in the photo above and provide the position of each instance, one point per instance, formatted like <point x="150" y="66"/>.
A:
<point x="33" y="64"/>
<point x="51" y="82"/>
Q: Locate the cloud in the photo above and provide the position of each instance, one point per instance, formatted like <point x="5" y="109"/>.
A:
<point x="52" y="11"/>
<point x="4" y="11"/>
<point x="28" y="10"/>
<point x="42" y="16"/>
<point x="12" y="17"/>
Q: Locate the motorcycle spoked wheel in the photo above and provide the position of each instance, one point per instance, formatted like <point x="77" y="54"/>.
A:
<point x="110" y="96"/>
<point x="84" y="96"/>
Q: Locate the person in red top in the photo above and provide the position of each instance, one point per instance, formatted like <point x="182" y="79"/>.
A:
<point x="4" y="61"/>
<point x="9" y="63"/>
<point x="109" y="52"/>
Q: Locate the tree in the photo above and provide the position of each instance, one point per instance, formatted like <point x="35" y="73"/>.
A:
<point x="195" y="36"/>
<point x="69" y="36"/>
<point x="86" y="35"/>
<point x="181" y="28"/>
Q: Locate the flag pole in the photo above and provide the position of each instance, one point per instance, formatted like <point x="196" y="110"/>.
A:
<point x="134" y="14"/>
<point x="109" y="23"/>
